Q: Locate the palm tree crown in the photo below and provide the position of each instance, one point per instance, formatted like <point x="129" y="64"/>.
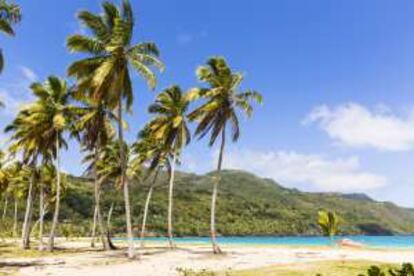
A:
<point x="105" y="75"/>
<point x="329" y="223"/>
<point x="95" y="124"/>
<point x="170" y="123"/>
<point x="223" y="99"/>
<point x="40" y="124"/>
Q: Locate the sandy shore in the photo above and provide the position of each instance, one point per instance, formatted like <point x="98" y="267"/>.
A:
<point x="157" y="260"/>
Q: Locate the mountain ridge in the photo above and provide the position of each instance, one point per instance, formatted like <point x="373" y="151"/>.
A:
<point x="247" y="205"/>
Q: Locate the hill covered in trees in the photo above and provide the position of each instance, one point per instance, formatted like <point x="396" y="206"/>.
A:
<point x="247" y="205"/>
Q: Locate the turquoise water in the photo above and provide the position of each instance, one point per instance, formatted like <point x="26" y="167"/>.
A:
<point x="372" y="241"/>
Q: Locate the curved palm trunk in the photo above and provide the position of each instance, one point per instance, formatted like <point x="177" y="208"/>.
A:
<point x="216" y="248"/>
<point x="15" y="218"/>
<point x="102" y="229"/>
<point x="28" y="213"/>
<point x="57" y="203"/>
<point x="109" y="227"/>
<point x="124" y="183"/>
<point x="101" y="225"/>
<point x="41" y="216"/>
<point x="6" y="201"/>
<point x="147" y="201"/>
<point x="170" y="202"/>
<point x="95" y="217"/>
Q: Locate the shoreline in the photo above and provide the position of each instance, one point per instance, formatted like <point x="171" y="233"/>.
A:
<point x="157" y="259"/>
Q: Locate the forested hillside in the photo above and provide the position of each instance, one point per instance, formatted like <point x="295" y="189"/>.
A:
<point x="248" y="205"/>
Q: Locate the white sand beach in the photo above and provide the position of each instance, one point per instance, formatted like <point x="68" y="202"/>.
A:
<point x="157" y="260"/>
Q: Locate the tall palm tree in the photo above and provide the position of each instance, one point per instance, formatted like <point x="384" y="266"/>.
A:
<point x="169" y="127"/>
<point x="105" y="74"/>
<point x="51" y="116"/>
<point x="9" y="14"/>
<point x="223" y="100"/>
<point x="95" y="125"/>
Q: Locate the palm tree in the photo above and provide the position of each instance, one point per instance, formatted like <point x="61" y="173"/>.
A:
<point x="105" y="75"/>
<point x="47" y="179"/>
<point x="329" y="223"/>
<point x="9" y="14"/>
<point x="19" y="177"/>
<point x="223" y="100"/>
<point x="49" y="117"/>
<point x="149" y="150"/>
<point x="38" y="131"/>
<point x="109" y="167"/>
<point x="95" y="124"/>
<point x="169" y="127"/>
<point x="27" y="140"/>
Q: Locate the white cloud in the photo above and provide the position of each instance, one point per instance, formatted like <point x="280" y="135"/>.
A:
<point x="357" y="126"/>
<point x="293" y="169"/>
<point x="28" y="74"/>
<point x="12" y="103"/>
<point x="15" y="91"/>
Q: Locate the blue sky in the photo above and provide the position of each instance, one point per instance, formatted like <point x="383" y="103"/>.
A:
<point x="337" y="78"/>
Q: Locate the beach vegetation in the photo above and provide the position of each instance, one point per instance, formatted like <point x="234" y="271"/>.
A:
<point x="328" y="221"/>
<point x="223" y="101"/>
<point x="104" y="75"/>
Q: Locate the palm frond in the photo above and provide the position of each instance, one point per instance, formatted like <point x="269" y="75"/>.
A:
<point x="83" y="44"/>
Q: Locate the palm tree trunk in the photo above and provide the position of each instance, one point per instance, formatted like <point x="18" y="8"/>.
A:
<point x="147" y="201"/>
<point x="102" y="229"/>
<point x="15" y="218"/>
<point x="6" y="201"/>
<point x="28" y="213"/>
<point x="41" y="216"/>
<point x="109" y="227"/>
<point x="124" y="182"/>
<point x="57" y="203"/>
<point x="109" y="217"/>
<point x="95" y="217"/>
<point x="101" y="225"/>
<point x="170" y="202"/>
<point x="216" y="248"/>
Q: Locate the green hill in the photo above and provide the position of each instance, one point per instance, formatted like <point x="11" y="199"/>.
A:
<point x="247" y="205"/>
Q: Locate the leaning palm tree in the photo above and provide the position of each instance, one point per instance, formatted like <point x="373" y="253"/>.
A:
<point x="150" y="151"/>
<point x="26" y="140"/>
<point x="109" y="170"/>
<point x="94" y="123"/>
<point x="328" y="221"/>
<point x="51" y="115"/>
<point x="223" y="100"/>
<point x="169" y="127"/>
<point x="9" y="14"/>
<point x="105" y="75"/>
